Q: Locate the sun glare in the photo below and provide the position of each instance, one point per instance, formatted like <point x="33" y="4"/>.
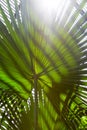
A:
<point x="52" y="5"/>
<point x="51" y="9"/>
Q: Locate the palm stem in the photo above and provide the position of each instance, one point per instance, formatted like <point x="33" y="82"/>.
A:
<point x="36" y="105"/>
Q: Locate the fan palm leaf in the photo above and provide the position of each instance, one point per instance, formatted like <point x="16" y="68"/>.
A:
<point x="43" y="67"/>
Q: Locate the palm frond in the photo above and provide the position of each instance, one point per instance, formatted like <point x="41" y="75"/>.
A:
<point x="44" y="64"/>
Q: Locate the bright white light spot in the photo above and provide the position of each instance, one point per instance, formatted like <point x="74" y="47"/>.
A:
<point x="50" y="9"/>
<point x="51" y="5"/>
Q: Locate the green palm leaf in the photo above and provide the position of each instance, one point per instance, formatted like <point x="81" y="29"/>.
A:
<point x="45" y="65"/>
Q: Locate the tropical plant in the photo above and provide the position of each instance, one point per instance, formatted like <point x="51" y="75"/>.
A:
<point x="43" y="67"/>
